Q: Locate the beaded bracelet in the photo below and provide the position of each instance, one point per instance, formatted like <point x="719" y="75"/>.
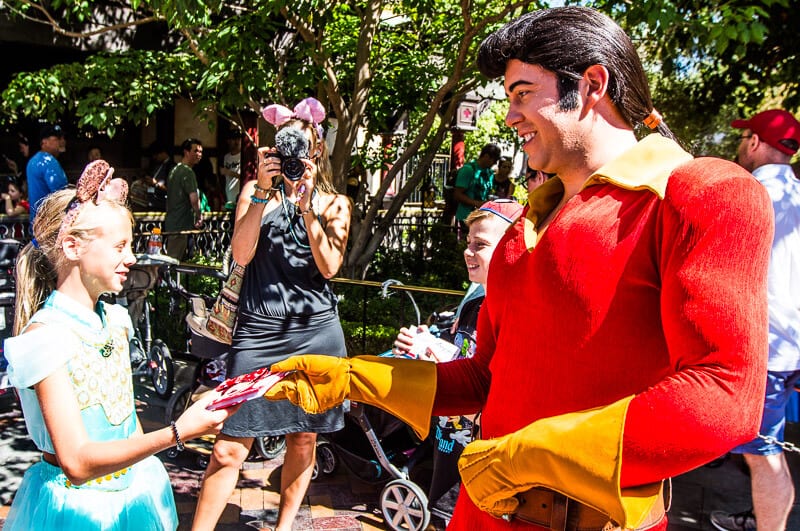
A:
<point x="178" y="443"/>
<point x="258" y="200"/>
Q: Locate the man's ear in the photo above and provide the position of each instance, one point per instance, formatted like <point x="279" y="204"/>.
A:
<point x="594" y="84"/>
<point x="71" y="246"/>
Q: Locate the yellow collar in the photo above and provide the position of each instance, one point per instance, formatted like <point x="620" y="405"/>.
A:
<point x="646" y="166"/>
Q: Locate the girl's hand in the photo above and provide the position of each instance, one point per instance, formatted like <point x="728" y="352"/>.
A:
<point x="269" y="168"/>
<point x="197" y="420"/>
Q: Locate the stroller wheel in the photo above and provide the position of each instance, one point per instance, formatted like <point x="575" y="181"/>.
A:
<point x="405" y="506"/>
<point x="326" y="458"/>
<point x="177" y="404"/>
<point x="163" y="371"/>
<point x="270" y="447"/>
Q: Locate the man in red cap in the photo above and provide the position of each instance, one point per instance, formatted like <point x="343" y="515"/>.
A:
<point x="768" y="141"/>
<point x="777" y="129"/>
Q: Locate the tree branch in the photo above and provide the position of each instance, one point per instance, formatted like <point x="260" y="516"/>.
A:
<point x="50" y="21"/>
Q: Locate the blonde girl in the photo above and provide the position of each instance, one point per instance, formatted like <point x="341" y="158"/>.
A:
<point x="69" y="360"/>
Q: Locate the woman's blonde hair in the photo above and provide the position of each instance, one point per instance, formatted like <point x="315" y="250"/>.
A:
<point x="40" y="261"/>
<point x="324" y="181"/>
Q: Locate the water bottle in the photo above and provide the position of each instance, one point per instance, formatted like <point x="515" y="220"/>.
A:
<point x="154" y="242"/>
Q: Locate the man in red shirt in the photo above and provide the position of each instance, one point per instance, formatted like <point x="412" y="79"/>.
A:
<point x="623" y="338"/>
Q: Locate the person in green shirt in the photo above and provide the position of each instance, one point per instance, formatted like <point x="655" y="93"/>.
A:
<point x="183" y="200"/>
<point x="474" y="184"/>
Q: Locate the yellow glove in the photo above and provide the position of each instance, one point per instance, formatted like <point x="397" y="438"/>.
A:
<point x="403" y="387"/>
<point x="576" y="454"/>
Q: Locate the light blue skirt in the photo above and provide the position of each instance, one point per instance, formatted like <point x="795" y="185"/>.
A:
<point x="140" y="498"/>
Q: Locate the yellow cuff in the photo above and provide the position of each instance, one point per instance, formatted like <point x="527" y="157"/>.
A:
<point x="585" y="449"/>
<point x="405" y="388"/>
<point x="577" y="454"/>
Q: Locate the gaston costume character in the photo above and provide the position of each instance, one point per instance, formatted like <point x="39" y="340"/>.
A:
<point x="624" y="344"/>
<point x="645" y="360"/>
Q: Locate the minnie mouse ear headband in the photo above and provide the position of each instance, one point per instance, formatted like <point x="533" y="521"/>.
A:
<point x="95" y="184"/>
<point x="309" y="109"/>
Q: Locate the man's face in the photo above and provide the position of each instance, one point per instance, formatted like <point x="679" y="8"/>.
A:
<point x="551" y="136"/>
<point x="744" y="153"/>
<point x="52" y="145"/>
<point x="194" y="155"/>
<point x="486" y="161"/>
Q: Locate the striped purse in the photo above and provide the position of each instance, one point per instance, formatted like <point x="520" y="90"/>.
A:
<point x="222" y="318"/>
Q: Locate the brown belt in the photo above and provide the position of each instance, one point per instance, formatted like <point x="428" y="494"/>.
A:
<point x="47" y="457"/>
<point x="555" y="511"/>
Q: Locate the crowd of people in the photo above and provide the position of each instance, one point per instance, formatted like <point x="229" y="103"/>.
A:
<point x="639" y="318"/>
<point x="30" y="176"/>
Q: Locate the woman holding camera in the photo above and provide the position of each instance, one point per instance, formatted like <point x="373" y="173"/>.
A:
<point x="290" y="232"/>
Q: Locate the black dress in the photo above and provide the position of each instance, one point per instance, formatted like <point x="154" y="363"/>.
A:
<point x="286" y="307"/>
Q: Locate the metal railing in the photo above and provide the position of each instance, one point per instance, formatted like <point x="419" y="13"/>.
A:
<point x="209" y="243"/>
<point x="212" y="241"/>
<point x="381" y="315"/>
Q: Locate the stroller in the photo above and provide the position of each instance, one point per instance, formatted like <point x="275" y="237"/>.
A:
<point x="209" y="372"/>
<point x="9" y="248"/>
<point x="420" y="477"/>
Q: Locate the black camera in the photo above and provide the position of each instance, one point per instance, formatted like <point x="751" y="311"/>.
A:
<point x="292" y="167"/>
<point x="291" y="145"/>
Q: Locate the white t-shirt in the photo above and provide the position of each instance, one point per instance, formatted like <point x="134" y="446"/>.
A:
<point x="783" y="279"/>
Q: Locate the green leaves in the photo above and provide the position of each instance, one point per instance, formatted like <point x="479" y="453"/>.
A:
<point x="103" y="92"/>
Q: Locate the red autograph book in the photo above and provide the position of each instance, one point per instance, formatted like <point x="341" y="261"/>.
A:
<point x="245" y="387"/>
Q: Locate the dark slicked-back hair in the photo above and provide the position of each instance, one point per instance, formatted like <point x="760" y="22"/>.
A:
<point x="567" y="41"/>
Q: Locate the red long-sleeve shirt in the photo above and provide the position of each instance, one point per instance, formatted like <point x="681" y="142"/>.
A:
<point x="655" y="293"/>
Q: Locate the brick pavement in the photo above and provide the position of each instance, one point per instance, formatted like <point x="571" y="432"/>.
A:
<point x="335" y="502"/>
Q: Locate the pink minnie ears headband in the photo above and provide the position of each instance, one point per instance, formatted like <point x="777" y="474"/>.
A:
<point x="308" y="109"/>
<point x="95" y="184"/>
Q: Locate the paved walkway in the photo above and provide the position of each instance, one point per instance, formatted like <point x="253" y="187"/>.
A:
<point x="343" y="502"/>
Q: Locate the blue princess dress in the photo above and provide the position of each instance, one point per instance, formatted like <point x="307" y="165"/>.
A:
<point x="94" y="348"/>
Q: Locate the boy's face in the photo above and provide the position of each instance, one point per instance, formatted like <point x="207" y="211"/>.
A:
<point x="484" y="234"/>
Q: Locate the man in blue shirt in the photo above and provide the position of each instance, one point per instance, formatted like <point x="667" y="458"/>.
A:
<point x="44" y="173"/>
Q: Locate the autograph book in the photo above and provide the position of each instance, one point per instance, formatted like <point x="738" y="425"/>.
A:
<point x="245" y="387"/>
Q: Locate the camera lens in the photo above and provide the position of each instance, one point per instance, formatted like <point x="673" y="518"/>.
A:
<point x="293" y="168"/>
